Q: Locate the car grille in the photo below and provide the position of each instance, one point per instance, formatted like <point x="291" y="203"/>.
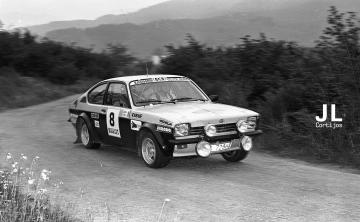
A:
<point x="196" y="130"/>
<point x="226" y="128"/>
<point x="221" y="128"/>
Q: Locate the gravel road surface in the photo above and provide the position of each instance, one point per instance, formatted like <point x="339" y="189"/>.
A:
<point x="111" y="183"/>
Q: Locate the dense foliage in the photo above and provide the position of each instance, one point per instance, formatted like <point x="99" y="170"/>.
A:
<point x="287" y="84"/>
<point x="57" y="62"/>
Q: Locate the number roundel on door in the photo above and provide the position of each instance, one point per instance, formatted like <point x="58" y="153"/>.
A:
<point x="112" y="123"/>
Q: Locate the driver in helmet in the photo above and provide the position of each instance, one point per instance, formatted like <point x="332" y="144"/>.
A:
<point x="164" y="92"/>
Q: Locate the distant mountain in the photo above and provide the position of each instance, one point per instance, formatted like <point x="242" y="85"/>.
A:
<point x="301" y="22"/>
<point x="174" y="9"/>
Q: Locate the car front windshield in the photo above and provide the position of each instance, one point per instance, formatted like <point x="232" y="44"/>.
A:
<point x="165" y="92"/>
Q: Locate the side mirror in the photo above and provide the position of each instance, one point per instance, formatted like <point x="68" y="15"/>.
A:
<point x="214" y="98"/>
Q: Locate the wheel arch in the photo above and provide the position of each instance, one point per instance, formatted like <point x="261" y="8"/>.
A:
<point x="151" y="128"/>
<point x="83" y="116"/>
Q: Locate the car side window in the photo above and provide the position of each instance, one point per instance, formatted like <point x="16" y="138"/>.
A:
<point x="96" y="96"/>
<point x="117" y="95"/>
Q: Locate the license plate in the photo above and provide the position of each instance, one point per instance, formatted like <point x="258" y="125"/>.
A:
<point x="220" y="146"/>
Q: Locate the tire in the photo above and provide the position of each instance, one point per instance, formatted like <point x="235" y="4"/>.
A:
<point x="235" y="156"/>
<point x="151" y="152"/>
<point x="86" y="137"/>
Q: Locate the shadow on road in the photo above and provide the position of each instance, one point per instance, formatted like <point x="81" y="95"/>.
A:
<point x="194" y="164"/>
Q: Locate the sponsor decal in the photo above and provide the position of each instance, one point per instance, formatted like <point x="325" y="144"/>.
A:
<point x="114" y="132"/>
<point x="165" y="122"/>
<point x="141" y="81"/>
<point x="163" y="129"/>
<point x="135" y="125"/>
<point x="124" y="113"/>
<point x="220" y="146"/>
<point x="137" y="115"/>
<point x="112" y="123"/>
<point x="158" y="79"/>
<point x="94" y="115"/>
<point x="96" y="123"/>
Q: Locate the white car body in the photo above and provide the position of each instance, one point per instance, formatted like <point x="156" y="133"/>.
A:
<point x="162" y="119"/>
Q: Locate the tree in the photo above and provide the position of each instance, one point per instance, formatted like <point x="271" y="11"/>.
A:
<point x="119" y="55"/>
<point x="339" y="49"/>
<point x="342" y="32"/>
<point x="28" y="38"/>
<point x="339" y="46"/>
<point x="181" y="60"/>
<point x="65" y="74"/>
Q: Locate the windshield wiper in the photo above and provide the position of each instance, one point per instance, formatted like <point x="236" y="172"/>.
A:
<point x="150" y="101"/>
<point x="186" y="99"/>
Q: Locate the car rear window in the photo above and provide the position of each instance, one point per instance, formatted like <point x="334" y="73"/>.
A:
<point x="96" y="95"/>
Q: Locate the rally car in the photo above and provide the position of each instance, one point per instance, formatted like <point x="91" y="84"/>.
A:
<point x="162" y="117"/>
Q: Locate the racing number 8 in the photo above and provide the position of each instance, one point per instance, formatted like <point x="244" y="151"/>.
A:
<point x="112" y="123"/>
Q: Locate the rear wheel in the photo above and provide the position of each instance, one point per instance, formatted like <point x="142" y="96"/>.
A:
<point x="235" y="156"/>
<point x="151" y="152"/>
<point x="86" y="137"/>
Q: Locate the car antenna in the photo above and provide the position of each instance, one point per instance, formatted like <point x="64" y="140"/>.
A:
<point x="147" y="70"/>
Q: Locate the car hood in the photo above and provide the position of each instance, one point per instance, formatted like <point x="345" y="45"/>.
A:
<point x="195" y="113"/>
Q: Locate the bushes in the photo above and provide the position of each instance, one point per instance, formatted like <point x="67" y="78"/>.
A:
<point x="19" y="91"/>
<point x="65" y="74"/>
<point x="287" y="84"/>
<point x="57" y="62"/>
<point x="36" y="70"/>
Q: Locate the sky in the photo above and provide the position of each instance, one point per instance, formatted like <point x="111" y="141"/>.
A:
<point x="17" y="13"/>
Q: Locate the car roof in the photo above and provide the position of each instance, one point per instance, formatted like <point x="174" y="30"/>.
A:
<point x="128" y="79"/>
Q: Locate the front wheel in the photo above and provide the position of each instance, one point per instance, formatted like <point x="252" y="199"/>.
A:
<point x="151" y="152"/>
<point x="86" y="137"/>
<point x="235" y="156"/>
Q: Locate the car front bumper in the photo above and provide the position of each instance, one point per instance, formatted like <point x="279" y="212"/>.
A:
<point x="198" y="138"/>
<point x="187" y="146"/>
<point x="190" y="149"/>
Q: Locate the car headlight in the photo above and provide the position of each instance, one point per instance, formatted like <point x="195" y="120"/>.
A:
<point x="210" y="130"/>
<point x="181" y="129"/>
<point x="203" y="149"/>
<point x="247" y="125"/>
<point x="246" y="143"/>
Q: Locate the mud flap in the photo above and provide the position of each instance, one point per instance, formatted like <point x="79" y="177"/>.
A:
<point x="78" y="140"/>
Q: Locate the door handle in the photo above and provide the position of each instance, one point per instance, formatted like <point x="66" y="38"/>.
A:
<point x="103" y="110"/>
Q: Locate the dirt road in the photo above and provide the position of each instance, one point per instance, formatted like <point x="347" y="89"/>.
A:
<point x="114" y="182"/>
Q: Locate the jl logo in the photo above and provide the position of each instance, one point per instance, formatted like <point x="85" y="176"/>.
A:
<point x="334" y="123"/>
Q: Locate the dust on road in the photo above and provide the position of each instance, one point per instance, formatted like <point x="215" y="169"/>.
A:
<point x="262" y="188"/>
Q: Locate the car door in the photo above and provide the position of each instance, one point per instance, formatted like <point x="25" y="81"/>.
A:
<point x="118" y="115"/>
<point x="96" y="109"/>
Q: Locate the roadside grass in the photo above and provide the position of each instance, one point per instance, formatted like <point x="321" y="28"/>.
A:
<point x="299" y="147"/>
<point x="18" y="91"/>
<point x="24" y="193"/>
<point x="29" y="193"/>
